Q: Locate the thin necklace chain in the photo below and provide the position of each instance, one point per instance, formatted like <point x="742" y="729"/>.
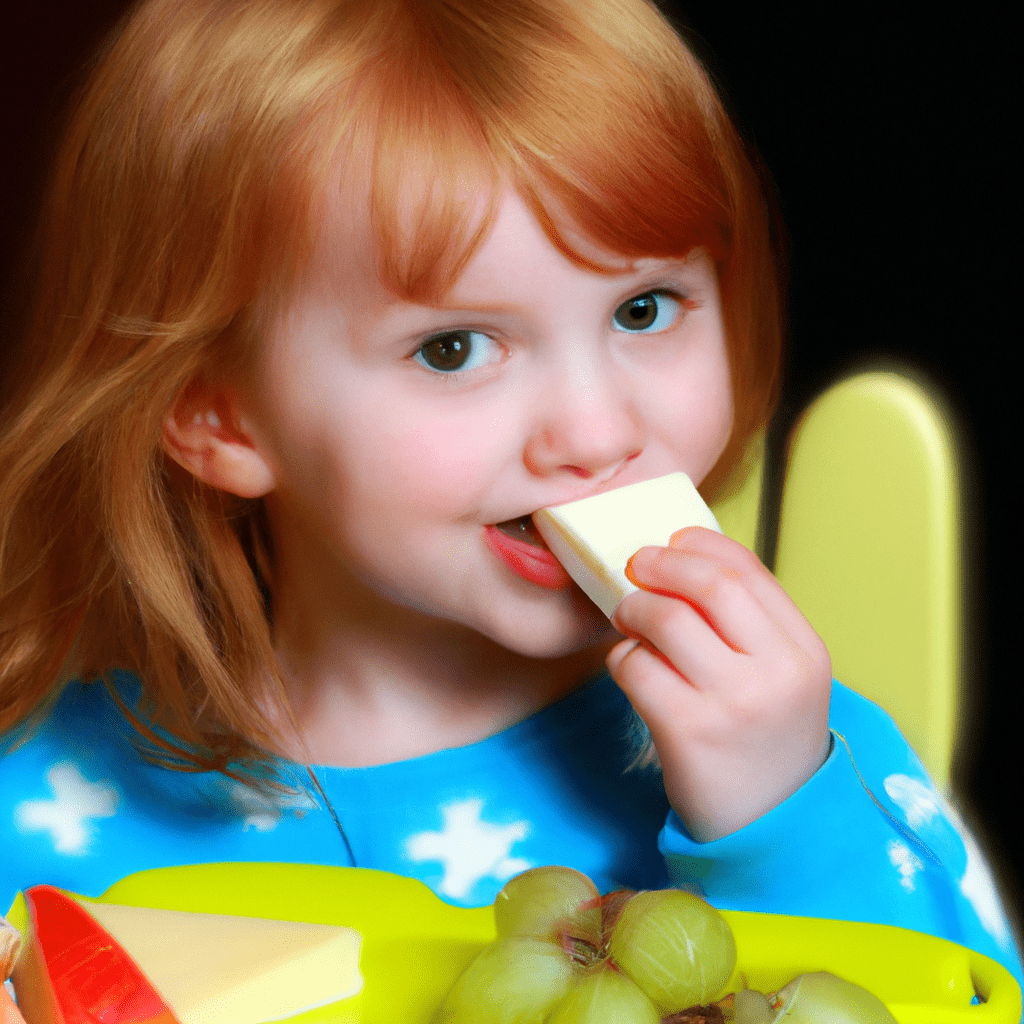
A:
<point x="337" y="820"/>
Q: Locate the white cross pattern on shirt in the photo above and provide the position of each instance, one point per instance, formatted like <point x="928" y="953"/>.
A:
<point x="469" y="848"/>
<point x="65" y="817"/>
<point x="923" y="807"/>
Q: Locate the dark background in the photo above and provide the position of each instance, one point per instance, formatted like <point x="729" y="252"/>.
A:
<point x="888" y="133"/>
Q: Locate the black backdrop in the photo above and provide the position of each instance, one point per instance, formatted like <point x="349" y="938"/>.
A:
<point x="888" y="133"/>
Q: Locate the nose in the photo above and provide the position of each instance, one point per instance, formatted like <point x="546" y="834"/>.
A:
<point x="587" y="425"/>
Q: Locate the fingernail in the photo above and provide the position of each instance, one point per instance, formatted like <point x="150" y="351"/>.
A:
<point x="643" y="556"/>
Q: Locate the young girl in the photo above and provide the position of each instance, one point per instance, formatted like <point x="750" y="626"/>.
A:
<point x="333" y="295"/>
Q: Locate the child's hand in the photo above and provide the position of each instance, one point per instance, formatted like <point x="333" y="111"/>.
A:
<point x="729" y="677"/>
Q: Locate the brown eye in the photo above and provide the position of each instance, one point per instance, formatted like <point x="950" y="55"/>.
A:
<point x="650" y="312"/>
<point x="453" y="351"/>
<point x="446" y="352"/>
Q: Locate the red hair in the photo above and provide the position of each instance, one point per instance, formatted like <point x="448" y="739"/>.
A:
<point x="182" y="206"/>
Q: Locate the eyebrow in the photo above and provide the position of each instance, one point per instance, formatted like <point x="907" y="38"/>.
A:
<point x="640" y="268"/>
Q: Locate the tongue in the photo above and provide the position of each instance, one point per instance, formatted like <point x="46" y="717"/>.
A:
<point x="522" y="529"/>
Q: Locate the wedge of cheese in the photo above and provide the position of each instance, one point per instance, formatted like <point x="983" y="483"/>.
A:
<point x="594" y="538"/>
<point x="204" y="968"/>
<point x="216" y="969"/>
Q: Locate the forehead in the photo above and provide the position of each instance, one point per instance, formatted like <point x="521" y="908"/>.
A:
<point x="492" y="239"/>
<point x="412" y="233"/>
<point x="423" y="245"/>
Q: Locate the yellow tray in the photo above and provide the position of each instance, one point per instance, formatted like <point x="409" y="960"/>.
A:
<point x="415" y="945"/>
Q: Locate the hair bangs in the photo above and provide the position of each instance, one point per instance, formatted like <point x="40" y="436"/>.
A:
<point x="432" y="207"/>
<point x="469" y="101"/>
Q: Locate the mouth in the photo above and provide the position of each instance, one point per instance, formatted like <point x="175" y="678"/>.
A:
<point x="522" y="529"/>
<point x="517" y="543"/>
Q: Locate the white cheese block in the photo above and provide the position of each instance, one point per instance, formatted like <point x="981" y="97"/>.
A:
<point x="595" y="537"/>
<point x="219" y="969"/>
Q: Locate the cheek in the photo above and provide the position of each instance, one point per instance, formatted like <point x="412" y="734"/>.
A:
<point x="695" y="414"/>
<point x="421" y="456"/>
<point x="719" y="416"/>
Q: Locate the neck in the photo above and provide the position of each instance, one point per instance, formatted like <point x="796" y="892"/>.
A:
<point x="370" y="682"/>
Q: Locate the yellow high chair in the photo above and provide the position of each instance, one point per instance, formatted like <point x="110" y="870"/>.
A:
<point x="868" y="548"/>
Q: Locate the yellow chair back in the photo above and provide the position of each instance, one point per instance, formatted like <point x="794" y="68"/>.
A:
<point x="868" y="546"/>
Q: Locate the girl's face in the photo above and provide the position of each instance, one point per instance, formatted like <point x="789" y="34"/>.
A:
<point x="408" y="442"/>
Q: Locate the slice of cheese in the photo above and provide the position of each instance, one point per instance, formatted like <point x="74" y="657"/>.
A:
<point x="218" y="969"/>
<point x="594" y="538"/>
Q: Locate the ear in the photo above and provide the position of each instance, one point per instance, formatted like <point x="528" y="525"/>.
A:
<point x="205" y="433"/>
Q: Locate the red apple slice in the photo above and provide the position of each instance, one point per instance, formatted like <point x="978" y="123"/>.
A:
<point x="113" y="964"/>
<point x="72" y="971"/>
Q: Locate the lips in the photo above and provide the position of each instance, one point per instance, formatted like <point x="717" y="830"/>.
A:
<point x="518" y="544"/>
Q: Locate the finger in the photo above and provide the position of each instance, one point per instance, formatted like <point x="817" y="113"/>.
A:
<point x="764" y="585"/>
<point x="656" y="690"/>
<point x="715" y="573"/>
<point x="733" y="608"/>
<point x="677" y="632"/>
<point x="619" y="652"/>
<point x="729" y="602"/>
<point x="706" y="585"/>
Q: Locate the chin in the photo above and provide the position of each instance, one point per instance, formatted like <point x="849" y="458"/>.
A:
<point x="550" y="633"/>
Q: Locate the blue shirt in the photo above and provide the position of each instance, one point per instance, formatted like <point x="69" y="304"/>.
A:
<point x="867" y="838"/>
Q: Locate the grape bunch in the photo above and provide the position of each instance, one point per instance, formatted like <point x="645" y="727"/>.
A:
<point x="566" y="955"/>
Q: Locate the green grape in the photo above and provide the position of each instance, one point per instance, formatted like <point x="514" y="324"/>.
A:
<point x="823" y="998"/>
<point x="676" y="947"/>
<point x="752" y="1007"/>
<point x="602" y="997"/>
<point x="512" y="981"/>
<point x="549" y="903"/>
